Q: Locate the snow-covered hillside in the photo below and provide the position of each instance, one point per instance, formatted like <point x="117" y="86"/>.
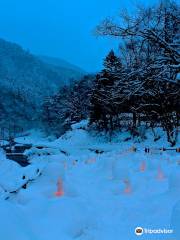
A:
<point x="90" y="189"/>
<point x="26" y="73"/>
<point x="66" y="70"/>
<point x="25" y="81"/>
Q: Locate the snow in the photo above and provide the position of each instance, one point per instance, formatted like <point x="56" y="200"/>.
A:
<point x="176" y="219"/>
<point x="104" y="196"/>
<point x="80" y="125"/>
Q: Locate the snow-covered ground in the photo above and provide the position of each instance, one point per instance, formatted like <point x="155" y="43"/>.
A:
<point x="86" y="195"/>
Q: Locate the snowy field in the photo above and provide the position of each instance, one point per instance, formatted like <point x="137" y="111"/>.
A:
<point x="85" y="188"/>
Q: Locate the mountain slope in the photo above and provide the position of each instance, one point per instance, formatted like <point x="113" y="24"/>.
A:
<point x="25" y="78"/>
<point x="61" y="63"/>
<point x="21" y="70"/>
<point x="66" y="70"/>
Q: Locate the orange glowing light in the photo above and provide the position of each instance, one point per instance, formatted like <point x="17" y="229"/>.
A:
<point x="128" y="188"/>
<point x="143" y="166"/>
<point x="60" y="191"/>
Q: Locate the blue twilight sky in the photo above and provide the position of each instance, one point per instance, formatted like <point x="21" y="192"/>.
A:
<point x="61" y="28"/>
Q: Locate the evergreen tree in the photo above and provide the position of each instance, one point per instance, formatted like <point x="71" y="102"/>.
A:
<point x="106" y="96"/>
